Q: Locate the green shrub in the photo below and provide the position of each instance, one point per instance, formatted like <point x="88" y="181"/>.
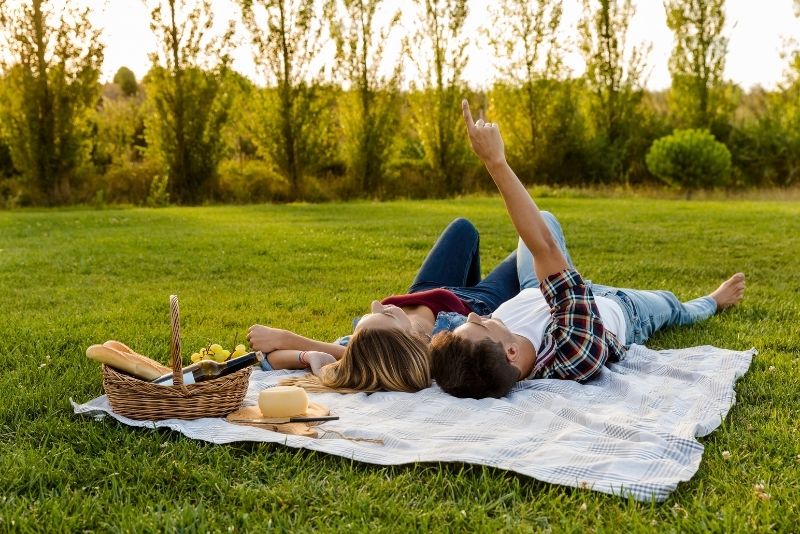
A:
<point x="126" y="80"/>
<point x="125" y="182"/>
<point x="159" y="194"/>
<point x="250" y="180"/>
<point x="691" y="159"/>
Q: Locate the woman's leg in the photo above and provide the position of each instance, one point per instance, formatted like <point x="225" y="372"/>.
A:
<point x="525" y="272"/>
<point x="454" y="259"/>
<point x="512" y="274"/>
<point x="499" y="286"/>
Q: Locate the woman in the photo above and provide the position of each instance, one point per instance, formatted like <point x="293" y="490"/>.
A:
<point x="389" y="346"/>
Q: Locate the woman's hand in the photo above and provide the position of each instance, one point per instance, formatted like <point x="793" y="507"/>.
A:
<point x="266" y="339"/>
<point x="318" y="360"/>
<point x="485" y="138"/>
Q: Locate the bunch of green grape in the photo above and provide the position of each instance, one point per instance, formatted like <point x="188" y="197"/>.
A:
<point x="217" y="353"/>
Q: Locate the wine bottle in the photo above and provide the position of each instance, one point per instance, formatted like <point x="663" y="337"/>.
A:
<point x="209" y="369"/>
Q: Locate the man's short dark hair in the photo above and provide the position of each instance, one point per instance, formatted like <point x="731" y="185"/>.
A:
<point x="469" y="369"/>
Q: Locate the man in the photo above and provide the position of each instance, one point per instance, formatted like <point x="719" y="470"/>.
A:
<point x="559" y="326"/>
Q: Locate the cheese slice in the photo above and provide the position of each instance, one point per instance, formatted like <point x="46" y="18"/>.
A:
<point x="283" y="401"/>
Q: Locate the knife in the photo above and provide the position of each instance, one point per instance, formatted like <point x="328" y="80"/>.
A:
<point x="280" y="420"/>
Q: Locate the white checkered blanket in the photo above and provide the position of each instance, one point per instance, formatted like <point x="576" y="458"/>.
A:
<point x="630" y="431"/>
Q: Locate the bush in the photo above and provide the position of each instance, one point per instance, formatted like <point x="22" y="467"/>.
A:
<point x="766" y="142"/>
<point x="125" y="182"/>
<point x="692" y="159"/>
<point x="158" y="196"/>
<point x="126" y="80"/>
<point x="250" y="180"/>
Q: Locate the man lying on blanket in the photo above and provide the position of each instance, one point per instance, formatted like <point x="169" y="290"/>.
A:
<point x="559" y="326"/>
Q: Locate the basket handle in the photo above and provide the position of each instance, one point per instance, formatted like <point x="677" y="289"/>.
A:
<point x="175" y="343"/>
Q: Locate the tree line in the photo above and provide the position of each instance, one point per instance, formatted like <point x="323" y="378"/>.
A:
<point x="194" y="130"/>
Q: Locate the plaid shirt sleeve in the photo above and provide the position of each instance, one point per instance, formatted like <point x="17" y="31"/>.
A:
<point x="576" y="345"/>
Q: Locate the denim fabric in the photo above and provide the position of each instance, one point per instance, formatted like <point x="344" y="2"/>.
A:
<point x="447" y="322"/>
<point x="454" y="264"/>
<point x="454" y="260"/>
<point x="645" y="311"/>
<point x="648" y="311"/>
<point x="526" y="274"/>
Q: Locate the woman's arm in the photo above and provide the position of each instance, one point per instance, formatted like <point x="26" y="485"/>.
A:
<point x="525" y="215"/>
<point x="268" y="340"/>
<point x="299" y="359"/>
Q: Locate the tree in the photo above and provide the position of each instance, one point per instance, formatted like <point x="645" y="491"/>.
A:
<point x="292" y="129"/>
<point x="185" y="89"/>
<point x="698" y="99"/>
<point x="126" y="80"/>
<point x="615" y="77"/>
<point x="795" y="54"/>
<point x="530" y="102"/>
<point x="51" y="87"/>
<point x="6" y="163"/>
<point x="766" y="148"/>
<point x="370" y="114"/>
<point x="119" y="122"/>
<point x="436" y="109"/>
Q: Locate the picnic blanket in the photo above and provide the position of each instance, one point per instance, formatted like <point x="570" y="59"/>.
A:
<point x="631" y="431"/>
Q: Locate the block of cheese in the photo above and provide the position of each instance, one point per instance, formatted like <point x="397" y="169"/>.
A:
<point x="283" y="401"/>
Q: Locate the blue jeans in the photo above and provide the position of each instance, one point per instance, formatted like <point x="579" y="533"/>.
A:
<point x="454" y="263"/>
<point x="646" y="311"/>
<point x="527" y="276"/>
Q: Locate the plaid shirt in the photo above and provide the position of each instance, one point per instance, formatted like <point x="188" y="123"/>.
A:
<point x="575" y="345"/>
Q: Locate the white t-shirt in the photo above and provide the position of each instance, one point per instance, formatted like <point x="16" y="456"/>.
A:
<point x="528" y="315"/>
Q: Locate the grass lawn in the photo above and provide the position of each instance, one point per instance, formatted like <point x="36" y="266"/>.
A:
<point x="70" y="278"/>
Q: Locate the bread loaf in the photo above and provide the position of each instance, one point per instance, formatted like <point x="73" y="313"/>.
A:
<point x="122" y="347"/>
<point x="114" y="354"/>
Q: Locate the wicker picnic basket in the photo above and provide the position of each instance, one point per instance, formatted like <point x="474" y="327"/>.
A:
<point x="138" y="399"/>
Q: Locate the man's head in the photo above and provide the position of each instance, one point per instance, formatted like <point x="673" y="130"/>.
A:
<point x="478" y="359"/>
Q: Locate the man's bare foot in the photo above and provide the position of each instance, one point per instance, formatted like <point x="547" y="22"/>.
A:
<point x="730" y="292"/>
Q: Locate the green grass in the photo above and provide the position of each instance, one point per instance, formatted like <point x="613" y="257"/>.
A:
<point x="70" y="278"/>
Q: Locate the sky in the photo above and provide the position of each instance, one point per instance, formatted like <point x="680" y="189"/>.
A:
<point x="757" y="30"/>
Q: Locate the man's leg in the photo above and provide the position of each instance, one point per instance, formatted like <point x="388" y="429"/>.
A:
<point x="647" y="312"/>
<point x="512" y="274"/>
<point x="525" y="272"/>
<point x="454" y="259"/>
<point x="662" y="309"/>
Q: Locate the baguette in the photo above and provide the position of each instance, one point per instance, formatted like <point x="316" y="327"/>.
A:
<point x="122" y="347"/>
<point x="130" y="362"/>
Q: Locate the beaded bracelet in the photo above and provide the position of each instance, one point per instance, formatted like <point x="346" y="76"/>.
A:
<point x="301" y="359"/>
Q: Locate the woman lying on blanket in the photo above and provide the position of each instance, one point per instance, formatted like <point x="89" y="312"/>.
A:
<point x="558" y="326"/>
<point x="388" y="350"/>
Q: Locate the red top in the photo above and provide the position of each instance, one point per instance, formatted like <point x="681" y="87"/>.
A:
<point x="438" y="300"/>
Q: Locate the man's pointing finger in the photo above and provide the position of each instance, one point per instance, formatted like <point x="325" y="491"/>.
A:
<point x="467" y="115"/>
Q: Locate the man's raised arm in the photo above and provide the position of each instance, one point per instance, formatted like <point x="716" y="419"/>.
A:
<point x="525" y="215"/>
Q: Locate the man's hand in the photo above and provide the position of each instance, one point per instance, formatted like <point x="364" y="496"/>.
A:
<point x="318" y="360"/>
<point x="266" y="339"/>
<point x="485" y="138"/>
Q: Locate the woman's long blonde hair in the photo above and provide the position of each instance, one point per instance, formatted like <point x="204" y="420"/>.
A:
<point x="375" y="360"/>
